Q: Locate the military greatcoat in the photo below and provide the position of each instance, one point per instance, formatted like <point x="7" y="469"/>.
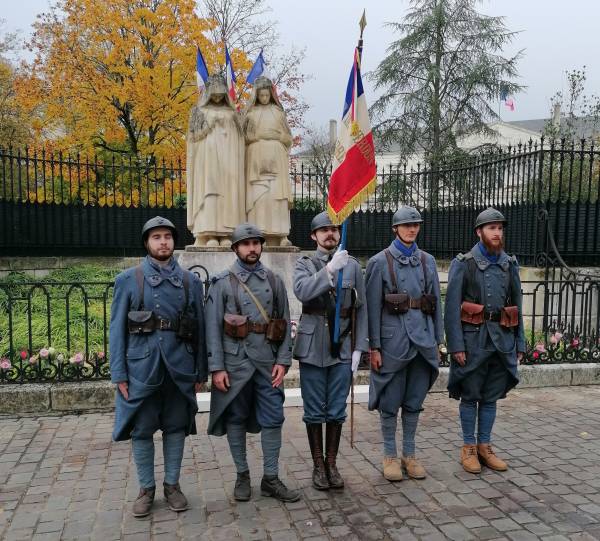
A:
<point x="139" y="359"/>
<point x="241" y="358"/>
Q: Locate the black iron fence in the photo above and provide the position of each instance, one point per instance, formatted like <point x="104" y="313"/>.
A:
<point x="51" y="203"/>
<point x="58" y="331"/>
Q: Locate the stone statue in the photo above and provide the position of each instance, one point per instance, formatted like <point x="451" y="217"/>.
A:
<point x="215" y="167"/>
<point x="268" y="142"/>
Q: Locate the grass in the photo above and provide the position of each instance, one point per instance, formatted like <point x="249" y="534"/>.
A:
<point x="26" y="302"/>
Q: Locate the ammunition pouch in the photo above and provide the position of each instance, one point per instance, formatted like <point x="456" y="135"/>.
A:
<point x="509" y="316"/>
<point x="236" y="325"/>
<point x="141" y="321"/>
<point x="471" y="313"/>
<point x="186" y="329"/>
<point x="276" y="330"/>
<point x="397" y="303"/>
<point x="428" y="304"/>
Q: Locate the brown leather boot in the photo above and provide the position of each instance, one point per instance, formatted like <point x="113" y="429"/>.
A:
<point x="468" y="458"/>
<point x="489" y="458"/>
<point x="333" y="432"/>
<point x="392" y="470"/>
<point x="413" y="467"/>
<point x="315" y="440"/>
<point x="143" y="503"/>
<point x="175" y="498"/>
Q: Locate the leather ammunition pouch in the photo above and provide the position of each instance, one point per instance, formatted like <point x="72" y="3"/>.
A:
<point x="509" y="316"/>
<point x="276" y="329"/>
<point x="396" y="303"/>
<point x="472" y="313"/>
<point x="428" y="304"/>
<point x="141" y="321"/>
<point x="186" y="329"/>
<point x="236" y="325"/>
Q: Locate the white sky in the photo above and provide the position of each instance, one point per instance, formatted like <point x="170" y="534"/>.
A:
<point x="555" y="34"/>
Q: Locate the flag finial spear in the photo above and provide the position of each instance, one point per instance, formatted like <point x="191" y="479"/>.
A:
<point x="363" y="22"/>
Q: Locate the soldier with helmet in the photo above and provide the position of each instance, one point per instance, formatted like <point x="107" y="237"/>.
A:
<point x="405" y="330"/>
<point x="326" y="370"/>
<point x="484" y="331"/>
<point x="157" y="360"/>
<point x="249" y="353"/>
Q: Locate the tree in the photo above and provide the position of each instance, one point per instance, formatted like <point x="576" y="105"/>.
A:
<point x="440" y="77"/>
<point x="242" y="24"/>
<point x="581" y="110"/>
<point x="14" y="126"/>
<point x="118" y="75"/>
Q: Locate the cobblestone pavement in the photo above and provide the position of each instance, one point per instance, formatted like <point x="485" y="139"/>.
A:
<point x="62" y="478"/>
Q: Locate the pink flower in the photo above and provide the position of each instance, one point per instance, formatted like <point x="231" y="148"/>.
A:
<point x="553" y="339"/>
<point x="77" y="358"/>
<point x="44" y="353"/>
<point x="536" y="354"/>
<point x="33" y="359"/>
<point x="23" y="354"/>
<point x="101" y="355"/>
<point x="5" y="364"/>
<point x="575" y="342"/>
<point x="540" y="347"/>
<point x="558" y="335"/>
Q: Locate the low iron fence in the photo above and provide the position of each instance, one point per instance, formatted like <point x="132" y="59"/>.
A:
<point x="58" y="331"/>
<point x="58" y="204"/>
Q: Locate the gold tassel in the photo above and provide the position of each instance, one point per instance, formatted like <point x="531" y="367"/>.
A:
<point x="354" y="129"/>
<point x="358" y="199"/>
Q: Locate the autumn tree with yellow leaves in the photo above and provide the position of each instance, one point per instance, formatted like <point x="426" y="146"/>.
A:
<point x="118" y="75"/>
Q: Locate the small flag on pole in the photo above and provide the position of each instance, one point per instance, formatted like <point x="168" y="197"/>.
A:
<point x="354" y="170"/>
<point x="257" y="70"/>
<point x="201" y="70"/>
<point x="230" y="74"/>
<point x="509" y="101"/>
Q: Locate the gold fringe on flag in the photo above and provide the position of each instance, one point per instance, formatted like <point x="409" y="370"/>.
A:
<point x="338" y="217"/>
<point x="354" y="129"/>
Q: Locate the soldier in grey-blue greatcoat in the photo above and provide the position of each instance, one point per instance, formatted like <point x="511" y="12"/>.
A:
<point x="405" y="330"/>
<point x="326" y="370"/>
<point x="484" y="331"/>
<point x="249" y="352"/>
<point x="157" y="360"/>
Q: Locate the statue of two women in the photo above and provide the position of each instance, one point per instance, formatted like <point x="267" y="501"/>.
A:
<point x="238" y="169"/>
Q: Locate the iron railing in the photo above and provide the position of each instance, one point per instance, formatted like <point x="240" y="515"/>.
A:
<point x="58" y="331"/>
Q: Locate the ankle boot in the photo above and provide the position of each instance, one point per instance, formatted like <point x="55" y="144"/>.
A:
<point x="488" y="457"/>
<point x="333" y="433"/>
<point x="315" y="440"/>
<point x="468" y="458"/>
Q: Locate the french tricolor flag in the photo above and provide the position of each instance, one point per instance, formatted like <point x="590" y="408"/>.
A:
<point x="230" y="75"/>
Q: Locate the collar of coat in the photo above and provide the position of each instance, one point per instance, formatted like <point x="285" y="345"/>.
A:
<point x="243" y="274"/>
<point x="483" y="263"/>
<point x="155" y="278"/>
<point x="323" y="256"/>
<point x="413" y="260"/>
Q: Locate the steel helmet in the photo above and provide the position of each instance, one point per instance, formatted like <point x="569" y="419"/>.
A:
<point x="406" y="215"/>
<point x="158" y="221"/>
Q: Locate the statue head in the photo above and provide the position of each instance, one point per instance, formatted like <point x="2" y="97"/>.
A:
<point x="216" y="92"/>
<point x="263" y="93"/>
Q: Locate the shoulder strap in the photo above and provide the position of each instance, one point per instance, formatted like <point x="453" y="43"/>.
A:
<point x="470" y="288"/>
<point x="425" y="273"/>
<point x="235" y="291"/>
<point x="186" y="289"/>
<point x="390" y="262"/>
<point x="139" y="278"/>
<point x="260" y="307"/>
<point x="273" y="284"/>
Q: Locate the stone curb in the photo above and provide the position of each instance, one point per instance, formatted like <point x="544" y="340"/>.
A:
<point x="92" y="396"/>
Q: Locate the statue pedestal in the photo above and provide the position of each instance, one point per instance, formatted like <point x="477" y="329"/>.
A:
<point x="280" y="260"/>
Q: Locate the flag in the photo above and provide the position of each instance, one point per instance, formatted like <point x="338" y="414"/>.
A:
<point x="201" y="69"/>
<point x="257" y="70"/>
<point x="230" y="74"/>
<point x="354" y="171"/>
<point x="510" y="103"/>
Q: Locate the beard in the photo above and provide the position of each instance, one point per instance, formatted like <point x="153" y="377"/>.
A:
<point x="250" y="259"/>
<point x="328" y="244"/>
<point x="160" y="255"/>
<point x="494" y="248"/>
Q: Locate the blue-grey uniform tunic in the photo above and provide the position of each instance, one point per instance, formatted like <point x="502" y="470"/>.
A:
<point x="489" y="341"/>
<point x="241" y="358"/>
<point x="404" y="337"/>
<point x="324" y="391"/>
<point x="140" y="359"/>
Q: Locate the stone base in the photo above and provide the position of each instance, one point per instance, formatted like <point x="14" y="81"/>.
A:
<point x="227" y="249"/>
<point x="280" y="260"/>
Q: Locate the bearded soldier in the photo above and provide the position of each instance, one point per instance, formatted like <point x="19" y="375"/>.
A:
<point x="249" y="352"/>
<point x="157" y="360"/>
<point x="325" y="372"/>
<point x="405" y="329"/>
<point x="484" y="329"/>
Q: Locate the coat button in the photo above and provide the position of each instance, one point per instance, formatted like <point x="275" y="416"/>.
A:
<point x="158" y="305"/>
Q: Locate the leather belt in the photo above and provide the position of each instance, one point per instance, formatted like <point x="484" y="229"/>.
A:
<point x="345" y="312"/>
<point x="492" y="316"/>
<point x="258" y="328"/>
<point x="162" y="324"/>
<point x="415" y="304"/>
